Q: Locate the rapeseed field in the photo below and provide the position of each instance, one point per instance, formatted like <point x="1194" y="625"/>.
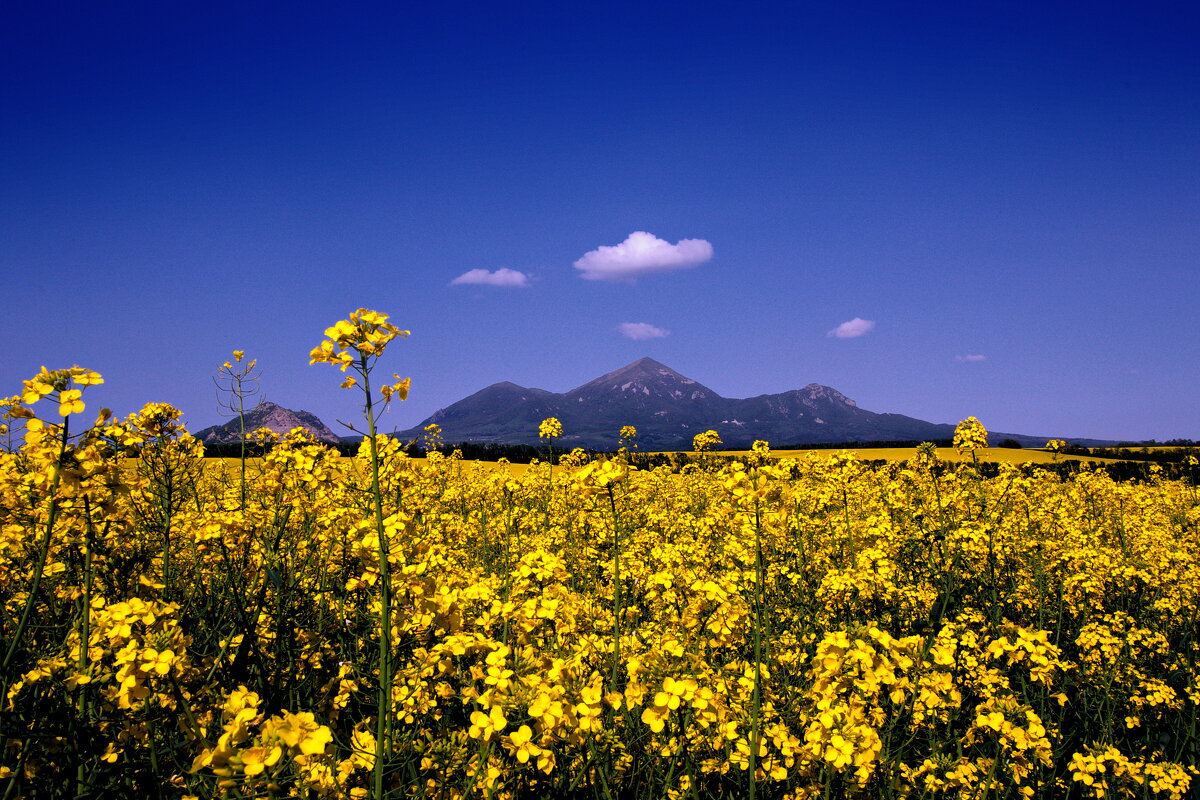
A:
<point x="779" y="627"/>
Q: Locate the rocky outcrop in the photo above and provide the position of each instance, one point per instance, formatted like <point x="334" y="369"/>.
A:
<point x="272" y="416"/>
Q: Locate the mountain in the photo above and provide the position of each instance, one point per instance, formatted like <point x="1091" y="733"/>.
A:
<point x="668" y="409"/>
<point x="268" y="415"/>
<point x="503" y="412"/>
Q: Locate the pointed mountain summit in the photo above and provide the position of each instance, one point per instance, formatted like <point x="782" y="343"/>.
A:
<point x="660" y="402"/>
<point x="646" y="377"/>
<point x="642" y="384"/>
<point x="668" y="409"/>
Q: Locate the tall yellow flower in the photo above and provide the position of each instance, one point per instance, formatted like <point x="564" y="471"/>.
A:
<point x="60" y="384"/>
<point x="550" y="428"/>
<point x="365" y="334"/>
<point x="706" y="441"/>
<point x="970" y="435"/>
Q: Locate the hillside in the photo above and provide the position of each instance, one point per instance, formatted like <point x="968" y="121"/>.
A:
<point x="668" y="409"/>
<point x="272" y="416"/>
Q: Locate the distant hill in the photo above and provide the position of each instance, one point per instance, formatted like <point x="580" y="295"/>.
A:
<point x="668" y="409"/>
<point x="268" y="415"/>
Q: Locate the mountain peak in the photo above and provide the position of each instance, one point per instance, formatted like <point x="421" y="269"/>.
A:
<point x="646" y="377"/>
<point x="645" y="362"/>
<point x="643" y="366"/>
<point x="815" y="391"/>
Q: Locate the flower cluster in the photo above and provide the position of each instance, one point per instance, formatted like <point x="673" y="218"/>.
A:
<point x="705" y="441"/>
<point x="550" y="428"/>
<point x="358" y="339"/>
<point x="970" y="435"/>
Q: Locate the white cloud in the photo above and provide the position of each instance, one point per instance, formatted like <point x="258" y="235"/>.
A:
<point x="642" y="254"/>
<point x="852" y="329"/>
<point x="641" y="330"/>
<point x="971" y="358"/>
<point x="501" y="277"/>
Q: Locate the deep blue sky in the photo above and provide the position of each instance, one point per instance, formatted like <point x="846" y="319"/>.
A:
<point x="1009" y="192"/>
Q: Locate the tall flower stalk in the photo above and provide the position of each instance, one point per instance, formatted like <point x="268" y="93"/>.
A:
<point x="356" y="344"/>
<point x="550" y="429"/>
<point x="236" y="383"/>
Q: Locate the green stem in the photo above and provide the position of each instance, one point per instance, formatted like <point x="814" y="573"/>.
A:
<point x="242" y="439"/>
<point x="756" y="700"/>
<point x="617" y="599"/>
<point x="85" y="618"/>
<point x="168" y="502"/>
<point x="384" y="713"/>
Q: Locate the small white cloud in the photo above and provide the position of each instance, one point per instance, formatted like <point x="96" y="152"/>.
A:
<point x="971" y="358"/>
<point x="642" y="254"/>
<point x="501" y="277"/>
<point x="641" y="330"/>
<point x="852" y="329"/>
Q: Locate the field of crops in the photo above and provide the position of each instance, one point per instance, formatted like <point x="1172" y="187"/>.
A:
<point x="764" y="627"/>
<point x="987" y="454"/>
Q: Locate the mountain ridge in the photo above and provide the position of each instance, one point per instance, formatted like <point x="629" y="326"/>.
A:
<point x="668" y="409"/>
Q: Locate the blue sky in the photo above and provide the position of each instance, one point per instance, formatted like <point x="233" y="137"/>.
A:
<point x="1003" y="200"/>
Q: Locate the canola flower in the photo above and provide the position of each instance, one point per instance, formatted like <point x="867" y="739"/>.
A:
<point x="799" y="628"/>
<point x="550" y="428"/>
<point x="970" y="435"/>
<point x="366" y="334"/>
<point x="705" y="441"/>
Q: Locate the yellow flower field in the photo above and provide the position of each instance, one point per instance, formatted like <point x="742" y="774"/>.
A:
<point x="993" y="454"/>
<point x="767" y="627"/>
